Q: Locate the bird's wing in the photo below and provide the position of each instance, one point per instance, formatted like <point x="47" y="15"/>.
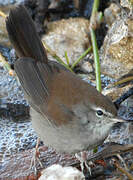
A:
<point x="33" y="81"/>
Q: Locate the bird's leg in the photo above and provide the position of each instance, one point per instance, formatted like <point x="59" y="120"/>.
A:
<point x="35" y="157"/>
<point x="83" y="161"/>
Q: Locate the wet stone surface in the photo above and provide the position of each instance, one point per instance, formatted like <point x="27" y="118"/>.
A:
<point x="15" y="137"/>
<point x="9" y="2"/>
<point x="121" y="134"/>
<point x="12" y="102"/>
<point x="6" y="2"/>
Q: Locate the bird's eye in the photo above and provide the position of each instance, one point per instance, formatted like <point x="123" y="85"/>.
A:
<point x="99" y="113"/>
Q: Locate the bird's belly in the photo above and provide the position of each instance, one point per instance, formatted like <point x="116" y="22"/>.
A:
<point x="66" y="139"/>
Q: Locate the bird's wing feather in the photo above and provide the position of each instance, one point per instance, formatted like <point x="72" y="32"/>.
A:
<point x="34" y="85"/>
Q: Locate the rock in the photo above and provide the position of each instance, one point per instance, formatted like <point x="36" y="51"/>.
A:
<point x="118" y="49"/>
<point x="111" y="13"/>
<point x="70" y="35"/>
<point x="5" y="7"/>
<point x="114" y="93"/>
<point x="18" y="165"/>
<point x="12" y="101"/>
<point x="4" y="40"/>
<point x="57" y="172"/>
<point x="126" y="3"/>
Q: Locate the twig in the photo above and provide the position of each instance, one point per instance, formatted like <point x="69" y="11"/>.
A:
<point x="127" y="79"/>
<point x="108" y="151"/>
<point x="52" y="53"/>
<point x="95" y="6"/>
<point x="81" y="57"/>
<point x="96" y="60"/>
<point x="3" y="14"/>
<point x="94" y="44"/>
<point x="130" y="177"/>
<point x="67" y="59"/>
<point x="6" y="65"/>
<point x="122" y="161"/>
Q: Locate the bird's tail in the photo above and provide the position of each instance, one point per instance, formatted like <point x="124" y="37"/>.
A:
<point x="23" y="35"/>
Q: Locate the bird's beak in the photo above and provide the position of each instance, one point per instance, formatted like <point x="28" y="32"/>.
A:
<point x="117" y="119"/>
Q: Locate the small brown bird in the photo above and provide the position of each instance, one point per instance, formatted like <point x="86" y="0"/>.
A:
<point x="67" y="113"/>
